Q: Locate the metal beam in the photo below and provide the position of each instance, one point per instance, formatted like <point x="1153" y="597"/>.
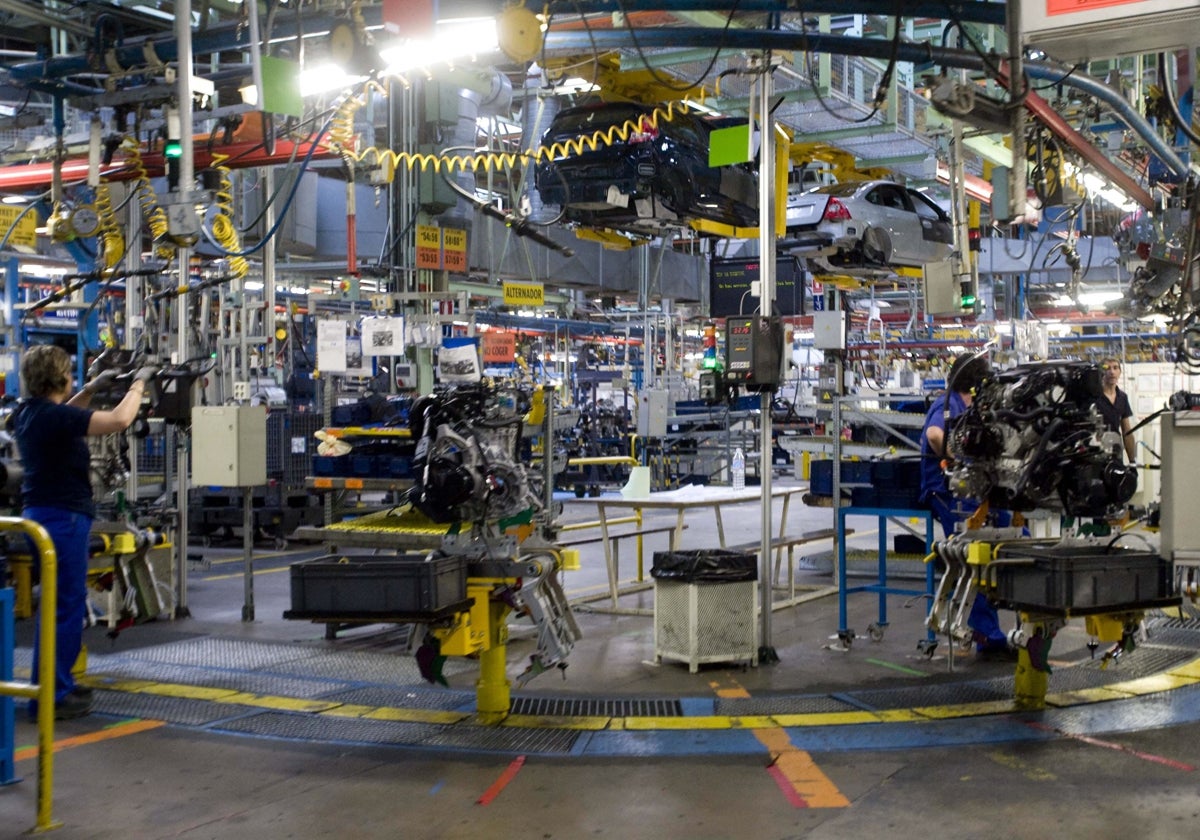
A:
<point x="759" y="39"/>
<point x="967" y="11"/>
<point x="23" y="8"/>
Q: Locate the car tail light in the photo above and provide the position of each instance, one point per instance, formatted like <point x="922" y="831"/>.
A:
<point x="645" y="133"/>
<point x="835" y="211"/>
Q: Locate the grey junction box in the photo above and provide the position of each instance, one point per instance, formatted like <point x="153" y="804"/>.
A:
<point x="229" y="445"/>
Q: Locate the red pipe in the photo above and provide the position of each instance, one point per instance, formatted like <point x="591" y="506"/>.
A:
<point x="31" y="176"/>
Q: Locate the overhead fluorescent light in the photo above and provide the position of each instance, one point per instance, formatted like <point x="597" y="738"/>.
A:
<point x="452" y="39"/>
<point x="1096" y="298"/>
<point x="324" y="77"/>
<point x="161" y="15"/>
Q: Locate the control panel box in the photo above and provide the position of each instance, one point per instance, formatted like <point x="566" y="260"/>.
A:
<point x="652" y="413"/>
<point x="754" y="352"/>
<point x="829" y="330"/>
<point x="229" y="445"/>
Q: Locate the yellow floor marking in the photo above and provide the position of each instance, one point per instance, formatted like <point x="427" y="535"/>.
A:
<point x="991" y="707"/>
<point x="256" y="571"/>
<point x="416" y="715"/>
<point x="1155" y="684"/>
<point x="241" y="558"/>
<point x="1188" y="669"/>
<point x="117" y="731"/>
<point x="797" y="766"/>
<point x="826" y="718"/>
<point x="1029" y="771"/>
<point x="697" y="722"/>
<point x="287" y="704"/>
<point x="1083" y="696"/>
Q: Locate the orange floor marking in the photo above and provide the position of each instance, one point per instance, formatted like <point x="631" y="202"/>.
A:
<point x="797" y="774"/>
<point x="116" y="731"/>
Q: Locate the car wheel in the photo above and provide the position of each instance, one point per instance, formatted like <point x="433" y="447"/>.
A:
<point x="877" y="246"/>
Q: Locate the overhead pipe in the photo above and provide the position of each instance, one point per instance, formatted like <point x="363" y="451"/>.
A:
<point x="966" y="11"/>
<point x="241" y="155"/>
<point x="150" y="51"/>
<point x="758" y="39"/>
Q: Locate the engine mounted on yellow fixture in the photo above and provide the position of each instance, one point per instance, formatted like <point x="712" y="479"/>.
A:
<point x="1032" y="442"/>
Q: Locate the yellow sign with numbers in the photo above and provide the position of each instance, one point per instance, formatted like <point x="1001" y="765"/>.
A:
<point x="25" y="231"/>
<point x="429" y="246"/>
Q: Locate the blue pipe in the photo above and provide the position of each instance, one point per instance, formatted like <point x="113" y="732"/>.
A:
<point x="40" y="74"/>
<point x="878" y="48"/>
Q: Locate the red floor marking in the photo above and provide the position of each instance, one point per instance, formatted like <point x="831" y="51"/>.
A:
<point x="1096" y="742"/>
<point x="507" y="776"/>
<point x="785" y="785"/>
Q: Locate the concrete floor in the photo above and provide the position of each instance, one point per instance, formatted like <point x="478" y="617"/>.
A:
<point x="1121" y="768"/>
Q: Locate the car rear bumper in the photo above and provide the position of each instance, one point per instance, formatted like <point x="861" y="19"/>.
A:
<point x="805" y="241"/>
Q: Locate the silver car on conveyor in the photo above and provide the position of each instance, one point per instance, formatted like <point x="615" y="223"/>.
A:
<point x="866" y="225"/>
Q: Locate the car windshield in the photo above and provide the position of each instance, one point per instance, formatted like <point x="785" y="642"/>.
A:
<point x="587" y="120"/>
<point x="843" y="189"/>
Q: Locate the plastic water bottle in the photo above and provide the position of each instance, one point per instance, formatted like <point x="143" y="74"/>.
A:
<point x="739" y="470"/>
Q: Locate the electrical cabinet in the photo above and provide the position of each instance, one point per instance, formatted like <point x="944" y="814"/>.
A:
<point x="229" y="445"/>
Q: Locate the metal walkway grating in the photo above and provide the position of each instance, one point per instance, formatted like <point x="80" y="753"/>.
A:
<point x="783" y="705"/>
<point x="173" y="710"/>
<point x="405" y="698"/>
<point x="933" y="695"/>
<point x="506" y="739"/>
<point x="304" y="727"/>
<point x="595" y="707"/>
<point x="252" y="682"/>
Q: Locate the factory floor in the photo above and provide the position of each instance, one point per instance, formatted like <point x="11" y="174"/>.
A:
<point x="214" y="727"/>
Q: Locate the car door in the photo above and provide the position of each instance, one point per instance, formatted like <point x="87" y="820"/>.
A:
<point x="937" y="234"/>
<point x="890" y="213"/>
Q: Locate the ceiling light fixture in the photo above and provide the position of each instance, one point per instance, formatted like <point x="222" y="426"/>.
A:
<point x="452" y="39"/>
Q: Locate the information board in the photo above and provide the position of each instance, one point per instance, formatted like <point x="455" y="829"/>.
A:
<point x="729" y="286"/>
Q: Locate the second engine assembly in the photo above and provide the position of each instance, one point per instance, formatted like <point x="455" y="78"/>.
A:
<point x="1032" y="438"/>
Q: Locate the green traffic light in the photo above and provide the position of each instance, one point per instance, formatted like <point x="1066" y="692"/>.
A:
<point x="173" y="149"/>
<point x="968" y="301"/>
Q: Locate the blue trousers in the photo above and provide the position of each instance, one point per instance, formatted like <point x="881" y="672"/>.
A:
<point x="70" y="532"/>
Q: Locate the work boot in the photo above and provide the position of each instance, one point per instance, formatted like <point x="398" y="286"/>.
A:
<point x="74" y="705"/>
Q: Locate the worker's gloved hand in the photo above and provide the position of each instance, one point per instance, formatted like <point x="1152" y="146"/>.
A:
<point x="100" y="381"/>
<point x="145" y="375"/>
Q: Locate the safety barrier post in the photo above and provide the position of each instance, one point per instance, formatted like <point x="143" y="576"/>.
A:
<point x="43" y="689"/>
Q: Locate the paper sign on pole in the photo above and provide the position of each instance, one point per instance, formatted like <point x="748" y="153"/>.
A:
<point x="331" y="346"/>
<point x="383" y="336"/>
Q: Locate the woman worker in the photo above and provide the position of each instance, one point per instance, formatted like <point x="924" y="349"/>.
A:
<point x="50" y="427"/>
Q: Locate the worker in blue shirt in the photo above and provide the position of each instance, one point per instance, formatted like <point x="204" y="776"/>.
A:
<point x="967" y="372"/>
<point x="50" y="428"/>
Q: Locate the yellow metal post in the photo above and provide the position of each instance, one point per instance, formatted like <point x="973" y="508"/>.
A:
<point x="1029" y="684"/>
<point x="493" y="690"/>
<point x="43" y="689"/>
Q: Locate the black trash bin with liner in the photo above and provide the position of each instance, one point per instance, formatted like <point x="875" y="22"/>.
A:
<point x="705" y="606"/>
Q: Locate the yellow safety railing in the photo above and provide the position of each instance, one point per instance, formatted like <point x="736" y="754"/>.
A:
<point x="43" y="689"/>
